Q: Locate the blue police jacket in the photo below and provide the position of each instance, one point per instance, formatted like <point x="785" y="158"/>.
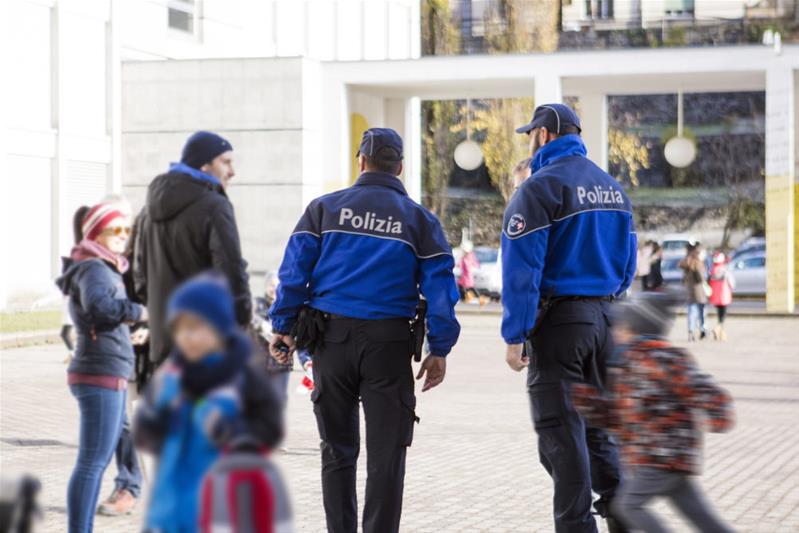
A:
<point x="568" y="231"/>
<point x="366" y="252"/>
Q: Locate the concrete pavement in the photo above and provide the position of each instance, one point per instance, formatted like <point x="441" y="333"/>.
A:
<point x="473" y="465"/>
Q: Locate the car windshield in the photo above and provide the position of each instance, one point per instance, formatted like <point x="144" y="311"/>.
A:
<point x="674" y="245"/>
<point x="669" y="264"/>
<point x="486" y="255"/>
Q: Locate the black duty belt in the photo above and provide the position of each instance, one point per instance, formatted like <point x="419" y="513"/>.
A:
<point x="333" y="316"/>
<point x="545" y="305"/>
<point x="548" y="302"/>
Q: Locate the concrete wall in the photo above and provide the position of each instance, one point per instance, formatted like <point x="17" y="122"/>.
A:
<point x="256" y="104"/>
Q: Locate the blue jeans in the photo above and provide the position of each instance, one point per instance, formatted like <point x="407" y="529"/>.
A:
<point x="102" y="414"/>
<point x="128" y="472"/>
<point x="696" y="313"/>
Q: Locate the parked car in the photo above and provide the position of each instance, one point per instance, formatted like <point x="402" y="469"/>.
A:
<point x="488" y="278"/>
<point x="750" y="274"/>
<point x="669" y="269"/>
<point x="750" y="246"/>
<point x="674" y="244"/>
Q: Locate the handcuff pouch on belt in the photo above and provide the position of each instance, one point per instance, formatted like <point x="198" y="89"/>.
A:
<point x="418" y="330"/>
<point x="309" y="329"/>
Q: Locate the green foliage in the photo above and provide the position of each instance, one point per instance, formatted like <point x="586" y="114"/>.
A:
<point x="626" y="150"/>
<point x="439" y="145"/>
<point x="30" y="321"/>
<point x="439" y="29"/>
<point x="439" y="37"/>
<point x="503" y="148"/>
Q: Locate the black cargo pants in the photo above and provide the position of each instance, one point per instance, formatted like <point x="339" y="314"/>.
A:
<point x="366" y="360"/>
<point x="572" y="344"/>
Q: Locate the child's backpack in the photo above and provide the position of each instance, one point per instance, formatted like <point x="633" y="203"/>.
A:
<point x="244" y="493"/>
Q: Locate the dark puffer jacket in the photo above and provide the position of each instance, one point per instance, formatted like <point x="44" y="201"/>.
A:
<point x="186" y="227"/>
<point x="101" y="311"/>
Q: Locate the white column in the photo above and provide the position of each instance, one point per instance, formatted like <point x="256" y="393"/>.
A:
<point x="781" y="96"/>
<point x="548" y="89"/>
<point x="413" y="148"/>
<point x="59" y="164"/>
<point x="114" y="96"/>
<point x="415" y="30"/>
<point x="594" y="121"/>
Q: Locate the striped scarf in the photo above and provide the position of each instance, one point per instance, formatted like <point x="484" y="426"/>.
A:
<point x="87" y="249"/>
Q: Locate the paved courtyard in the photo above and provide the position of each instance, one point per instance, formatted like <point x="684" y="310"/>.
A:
<point x="473" y="465"/>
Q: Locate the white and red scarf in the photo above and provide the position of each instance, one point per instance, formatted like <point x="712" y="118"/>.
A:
<point x="87" y="249"/>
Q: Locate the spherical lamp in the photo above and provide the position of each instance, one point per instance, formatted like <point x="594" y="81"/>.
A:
<point x="680" y="151"/>
<point x="468" y="155"/>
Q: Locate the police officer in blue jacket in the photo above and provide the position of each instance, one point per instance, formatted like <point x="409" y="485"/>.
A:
<point x="359" y="258"/>
<point x="568" y="249"/>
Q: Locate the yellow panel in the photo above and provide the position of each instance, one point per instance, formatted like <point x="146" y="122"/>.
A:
<point x="780" y="243"/>
<point x="358" y="125"/>
<point x="796" y="243"/>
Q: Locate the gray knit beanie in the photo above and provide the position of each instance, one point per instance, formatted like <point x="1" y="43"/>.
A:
<point x="647" y="313"/>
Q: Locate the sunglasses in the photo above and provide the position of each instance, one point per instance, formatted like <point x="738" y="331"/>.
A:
<point x="117" y="231"/>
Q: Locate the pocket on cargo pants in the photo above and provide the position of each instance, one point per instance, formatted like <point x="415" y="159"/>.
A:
<point x="316" y="397"/>
<point x="548" y="411"/>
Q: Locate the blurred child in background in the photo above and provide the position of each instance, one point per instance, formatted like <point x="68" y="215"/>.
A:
<point x="205" y="397"/>
<point x="655" y="391"/>
<point x="721" y="284"/>
<point x="468" y="266"/>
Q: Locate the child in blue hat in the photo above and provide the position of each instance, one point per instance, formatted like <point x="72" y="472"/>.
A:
<point x="203" y="399"/>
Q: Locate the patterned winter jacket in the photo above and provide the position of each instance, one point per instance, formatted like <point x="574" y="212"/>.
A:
<point x="655" y="397"/>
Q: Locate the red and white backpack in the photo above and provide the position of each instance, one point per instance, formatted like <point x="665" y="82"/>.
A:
<point x="244" y="493"/>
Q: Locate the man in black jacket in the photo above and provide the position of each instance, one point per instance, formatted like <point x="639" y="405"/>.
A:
<point x="188" y="226"/>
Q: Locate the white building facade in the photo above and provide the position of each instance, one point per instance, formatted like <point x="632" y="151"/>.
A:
<point x="293" y="84"/>
<point x="62" y="101"/>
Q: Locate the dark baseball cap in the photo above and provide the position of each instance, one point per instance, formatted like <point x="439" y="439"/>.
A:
<point x="553" y="117"/>
<point x="376" y="138"/>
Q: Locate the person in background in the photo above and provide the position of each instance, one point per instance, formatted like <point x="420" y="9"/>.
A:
<point x="521" y="172"/>
<point x="468" y="266"/>
<point x="654" y="393"/>
<point x="655" y="281"/>
<point x="188" y="226"/>
<point x="722" y="283"/>
<point x="694" y="275"/>
<point x="644" y="263"/>
<point x="278" y="372"/>
<point x="129" y="479"/>
<point x="67" y="326"/>
<point x="204" y="398"/>
<point x="103" y="361"/>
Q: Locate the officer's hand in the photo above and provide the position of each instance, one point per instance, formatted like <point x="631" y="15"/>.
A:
<point x="278" y="341"/>
<point x="515" y="357"/>
<point x="435" y="367"/>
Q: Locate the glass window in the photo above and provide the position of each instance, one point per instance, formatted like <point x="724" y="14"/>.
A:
<point x="751" y="262"/>
<point x="182" y="14"/>
<point x="675" y="245"/>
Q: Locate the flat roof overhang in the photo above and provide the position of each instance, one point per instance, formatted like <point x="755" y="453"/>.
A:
<point x="625" y="71"/>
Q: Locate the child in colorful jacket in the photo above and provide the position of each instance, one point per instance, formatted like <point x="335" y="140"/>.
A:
<point x="654" y="392"/>
<point x="203" y="399"/>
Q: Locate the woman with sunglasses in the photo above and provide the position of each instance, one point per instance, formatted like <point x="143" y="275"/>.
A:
<point x="103" y="358"/>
